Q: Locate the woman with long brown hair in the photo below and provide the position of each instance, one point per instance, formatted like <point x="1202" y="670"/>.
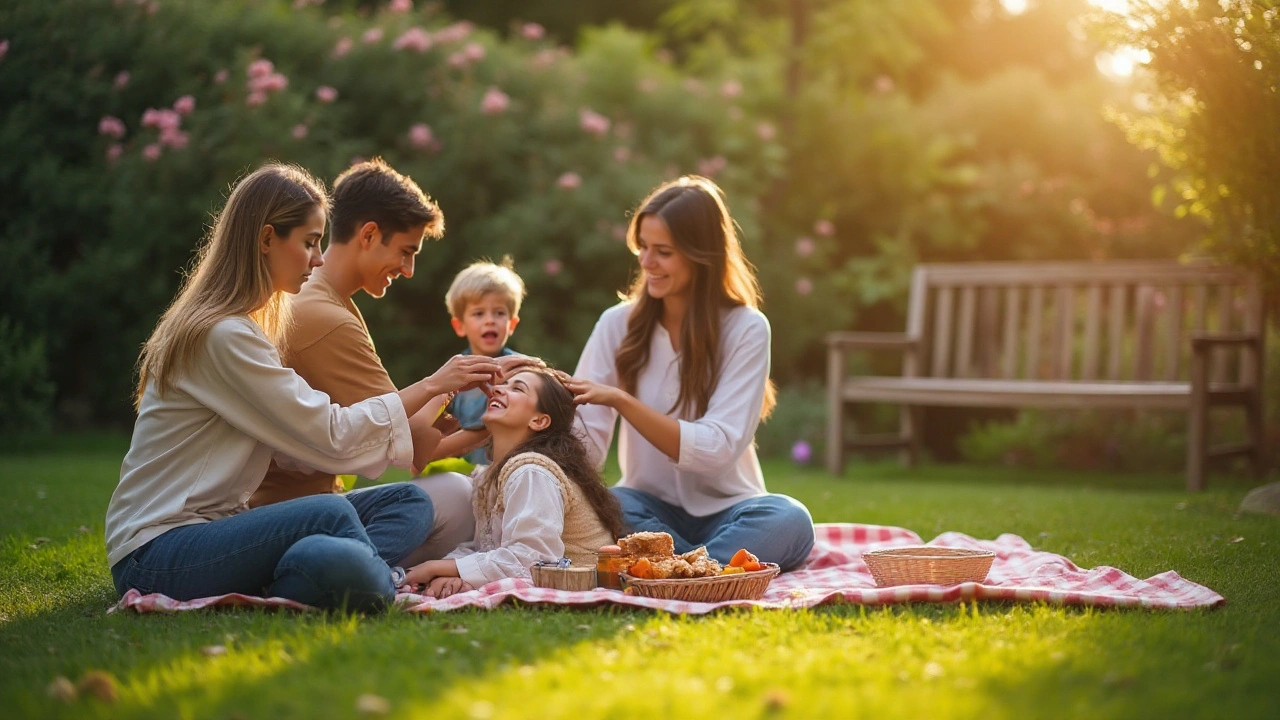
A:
<point x="685" y="361"/>
<point x="541" y="498"/>
<point x="215" y="407"/>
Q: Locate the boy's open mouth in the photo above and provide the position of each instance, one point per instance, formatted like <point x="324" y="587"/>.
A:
<point x="489" y="335"/>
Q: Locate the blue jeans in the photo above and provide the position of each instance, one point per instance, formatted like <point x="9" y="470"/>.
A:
<point x="314" y="550"/>
<point x="397" y="517"/>
<point x="775" y="528"/>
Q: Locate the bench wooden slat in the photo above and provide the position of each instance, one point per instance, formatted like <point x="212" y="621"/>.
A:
<point x="1220" y="356"/>
<point x="1144" y="308"/>
<point x="988" y="332"/>
<point x="1173" y="339"/>
<point x="1012" y="321"/>
<point x="964" y="333"/>
<point x="1064" y="317"/>
<point x="1092" y="321"/>
<point x="942" y="333"/>
<point x="976" y="392"/>
<point x="1035" y="313"/>
<point x="1079" y="273"/>
<point x="1115" y="334"/>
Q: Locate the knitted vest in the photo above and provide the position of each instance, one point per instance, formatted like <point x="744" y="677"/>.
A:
<point x="583" y="533"/>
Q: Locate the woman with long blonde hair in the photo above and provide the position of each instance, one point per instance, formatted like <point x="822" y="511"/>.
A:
<point x="215" y="407"/>
<point x="685" y="361"/>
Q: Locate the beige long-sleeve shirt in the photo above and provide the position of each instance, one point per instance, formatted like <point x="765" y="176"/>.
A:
<point x="200" y="450"/>
<point x="718" y="466"/>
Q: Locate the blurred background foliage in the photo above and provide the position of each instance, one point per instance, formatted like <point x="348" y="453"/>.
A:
<point x="855" y="138"/>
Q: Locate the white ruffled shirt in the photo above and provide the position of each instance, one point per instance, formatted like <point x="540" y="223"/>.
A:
<point x="201" y="450"/>
<point x="532" y="529"/>
<point x="718" y="466"/>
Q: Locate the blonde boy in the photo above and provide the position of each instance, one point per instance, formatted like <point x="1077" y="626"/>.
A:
<point x="484" y="301"/>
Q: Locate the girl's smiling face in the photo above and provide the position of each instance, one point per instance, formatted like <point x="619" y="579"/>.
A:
<point x="513" y="405"/>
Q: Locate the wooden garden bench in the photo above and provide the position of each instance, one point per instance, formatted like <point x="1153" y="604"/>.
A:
<point x="1118" y="334"/>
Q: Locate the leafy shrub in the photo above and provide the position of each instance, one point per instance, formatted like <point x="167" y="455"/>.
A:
<point x="26" y="395"/>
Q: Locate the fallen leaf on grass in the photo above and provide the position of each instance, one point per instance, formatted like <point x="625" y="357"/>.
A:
<point x="371" y="704"/>
<point x="1237" y="539"/>
<point x="99" y="684"/>
<point x="62" y="689"/>
<point x="214" y="650"/>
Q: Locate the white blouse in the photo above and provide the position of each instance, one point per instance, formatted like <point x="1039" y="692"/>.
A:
<point x="717" y="467"/>
<point x="532" y="528"/>
<point x="201" y="450"/>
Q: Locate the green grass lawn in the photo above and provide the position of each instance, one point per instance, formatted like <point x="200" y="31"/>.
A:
<point x="921" y="661"/>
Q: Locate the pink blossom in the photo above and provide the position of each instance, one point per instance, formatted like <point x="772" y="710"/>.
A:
<point x="593" y="122"/>
<point x="152" y="152"/>
<point x="552" y="267"/>
<point x="115" y="151"/>
<point x="4" y="48"/>
<point x="174" y="138"/>
<point x="415" y="38"/>
<point x="474" y="52"/>
<point x="883" y="84"/>
<point x="495" y="101"/>
<point x="804" y="246"/>
<point x="326" y="94"/>
<point x="710" y="167"/>
<point x="260" y="68"/>
<point x="457" y="60"/>
<point x="532" y="31"/>
<point x="824" y="228"/>
<point x="164" y="120"/>
<point x="255" y="98"/>
<point x="184" y="105"/>
<point x="420" y="136"/>
<point x="804" y="286"/>
<point x="400" y="7"/>
<point x="299" y="131"/>
<point x="220" y="77"/>
<point x="731" y="89"/>
<point x="122" y="80"/>
<point x="455" y="32"/>
<point x="801" y="452"/>
<point x="569" y="181"/>
<point x="621" y="154"/>
<point x="544" y="58"/>
<point x="766" y="131"/>
<point x="275" y="82"/>
<point x="111" y="127"/>
<point x="342" y="47"/>
<point x="372" y="35"/>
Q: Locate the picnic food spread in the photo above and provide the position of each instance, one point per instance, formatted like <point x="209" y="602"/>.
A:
<point x="651" y="556"/>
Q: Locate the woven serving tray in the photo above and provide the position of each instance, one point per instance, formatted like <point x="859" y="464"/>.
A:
<point x="927" y="565"/>
<point x="719" y="588"/>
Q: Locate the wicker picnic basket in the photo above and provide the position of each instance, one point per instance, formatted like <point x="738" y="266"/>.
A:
<point x="718" y="588"/>
<point x="927" y="565"/>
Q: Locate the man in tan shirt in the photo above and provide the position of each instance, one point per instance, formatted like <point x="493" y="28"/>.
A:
<point x="379" y="221"/>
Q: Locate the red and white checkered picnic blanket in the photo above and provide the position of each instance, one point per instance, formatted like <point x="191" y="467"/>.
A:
<point x="834" y="573"/>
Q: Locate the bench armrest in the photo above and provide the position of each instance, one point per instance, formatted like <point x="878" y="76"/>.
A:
<point x="871" y="341"/>
<point x="1203" y="342"/>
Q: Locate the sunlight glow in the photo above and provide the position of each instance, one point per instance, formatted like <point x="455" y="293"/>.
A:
<point x="1014" y="7"/>
<point x="1120" y="7"/>
<point x="1123" y="62"/>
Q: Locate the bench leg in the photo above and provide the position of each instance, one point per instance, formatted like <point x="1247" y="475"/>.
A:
<point x="910" y="428"/>
<point x="1253" y="424"/>
<point x="1198" y="423"/>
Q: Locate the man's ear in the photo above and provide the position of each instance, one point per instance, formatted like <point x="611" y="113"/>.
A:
<point x="457" y="327"/>
<point x="265" y="237"/>
<point x="540" y="422"/>
<point x="368" y="234"/>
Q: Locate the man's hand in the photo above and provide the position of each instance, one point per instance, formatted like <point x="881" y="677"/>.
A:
<point x="463" y="372"/>
<point x="511" y="364"/>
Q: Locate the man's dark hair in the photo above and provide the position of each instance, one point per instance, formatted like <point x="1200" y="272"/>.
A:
<point x="372" y="191"/>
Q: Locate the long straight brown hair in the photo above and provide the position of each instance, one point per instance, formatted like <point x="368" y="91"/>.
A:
<point x="230" y="276"/>
<point x="695" y="212"/>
